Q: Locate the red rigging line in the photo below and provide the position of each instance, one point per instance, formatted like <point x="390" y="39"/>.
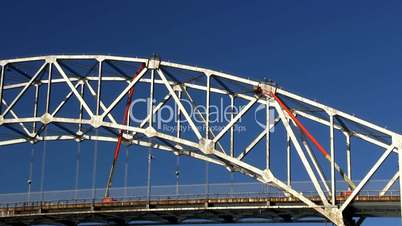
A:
<point x="310" y="137"/>
<point x="269" y="92"/>
<point x="120" y="136"/>
<point x="301" y="126"/>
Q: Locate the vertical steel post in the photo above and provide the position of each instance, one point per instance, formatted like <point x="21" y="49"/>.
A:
<point x="151" y="98"/>
<point x="35" y="109"/>
<point x="29" y="190"/>
<point x="332" y="146"/>
<point x="150" y="112"/>
<point x="30" y="173"/>
<point x="94" y="167"/>
<point x="79" y="133"/>
<point x="77" y="168"/>
<point x="178" y="136"/>
<point x="231" y="128"/>
<point x="126" y="172"/>
<point x="98" y="92"/>
<point x="206" y="179"/>
<point x="81" y="108"/>
<point x="42" y="179"/>
<point x="348" y="156"/>
<point x="126" y="161"/>
<point x="178" y="114"/>
<point x="267" y="136"/>
<point x="149" y="175"/>
<point x="207" y="131"/>
<point x="49" y="88"/>
<point x="2" y="74"/>
<point x="177" y="174"/>
<point x="207" y="106"/>
<point x="231" y="138"/>
<point x="289" y="159"/>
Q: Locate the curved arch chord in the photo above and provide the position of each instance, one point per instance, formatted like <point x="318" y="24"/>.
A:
<point x="207" y="146"/>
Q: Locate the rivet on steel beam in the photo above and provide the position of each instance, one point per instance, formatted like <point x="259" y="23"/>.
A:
<point x="207" y="145"/>
<point x="100" y="59"/>
<point x="79" y="135"/>
<point x="96" y="121"/>
<point x="50" y="59"/>
<point x="150" y="132"/>
<point x="46" y="118"/>
<point x="153" y="62"/>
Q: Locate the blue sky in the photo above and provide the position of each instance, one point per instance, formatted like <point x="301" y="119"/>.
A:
<point x="346" y="54"/>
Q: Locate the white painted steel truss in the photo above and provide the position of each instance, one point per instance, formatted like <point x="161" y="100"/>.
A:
<point x="40" y="92"/>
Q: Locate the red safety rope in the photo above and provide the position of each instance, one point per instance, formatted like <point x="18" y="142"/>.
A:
<point x="126" y="110"/>
<point x="312" y="139"/>
<point x="301" y="126"/>
<point x="120" y="136"/>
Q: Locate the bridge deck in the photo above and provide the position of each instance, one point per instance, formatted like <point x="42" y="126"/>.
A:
<point x="206" y="210"/>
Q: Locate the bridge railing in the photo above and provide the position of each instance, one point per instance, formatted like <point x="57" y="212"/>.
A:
<point x="192" y="191"/>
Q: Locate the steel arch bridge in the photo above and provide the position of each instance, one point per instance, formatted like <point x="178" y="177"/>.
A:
<point x="63" y="97"/>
